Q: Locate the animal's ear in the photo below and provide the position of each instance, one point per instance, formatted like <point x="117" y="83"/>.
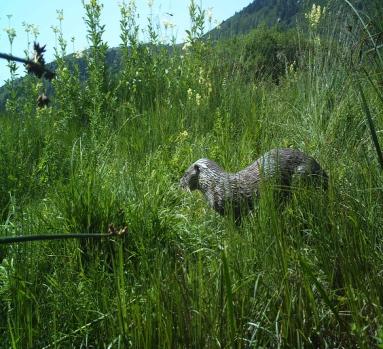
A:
<point x="196" y="168"/>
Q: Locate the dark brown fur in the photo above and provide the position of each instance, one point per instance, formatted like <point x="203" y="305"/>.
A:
<point x="237" y="191"/>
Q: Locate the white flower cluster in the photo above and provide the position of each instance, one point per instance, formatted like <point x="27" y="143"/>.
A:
<point x="168" y="24"/>
<point x="11" y="32"/>
<point x="186" y="45"/>
<point x="315" y="15"/>
<point x="205" y="87"/>
<point x="209" y="14"/>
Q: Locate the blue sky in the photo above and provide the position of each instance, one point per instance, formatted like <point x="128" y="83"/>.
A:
<point x="43" y="15"/>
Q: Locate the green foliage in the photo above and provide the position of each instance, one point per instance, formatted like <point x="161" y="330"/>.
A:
<point x="20" y="156"/>
<point x="111" y="150"/>
<point x="270" y="53"/>
<point x="96" y="88"/>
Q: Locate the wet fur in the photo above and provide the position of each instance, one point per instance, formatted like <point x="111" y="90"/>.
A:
<point x="237" y="191"/>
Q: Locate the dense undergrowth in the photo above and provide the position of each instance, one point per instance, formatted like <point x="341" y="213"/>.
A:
<point x="111" y="149"/>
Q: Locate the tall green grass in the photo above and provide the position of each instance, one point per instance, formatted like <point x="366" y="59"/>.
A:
<point x="112" y="151"/>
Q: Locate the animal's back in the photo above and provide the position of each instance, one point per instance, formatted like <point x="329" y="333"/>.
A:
<point x="283" y="164"/>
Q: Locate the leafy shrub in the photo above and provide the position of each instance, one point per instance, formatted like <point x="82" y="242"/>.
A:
<point x="269" y="53"/>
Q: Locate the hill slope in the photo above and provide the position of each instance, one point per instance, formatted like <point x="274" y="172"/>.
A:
<point x="267" y="12"/>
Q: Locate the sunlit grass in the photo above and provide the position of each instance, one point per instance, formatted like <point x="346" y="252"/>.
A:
<point x="113" y="151"/>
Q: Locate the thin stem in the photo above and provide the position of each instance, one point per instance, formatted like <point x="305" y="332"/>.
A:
<point x="25" y="238"/>
<point x="371" y="125"/>
<point x="365" y="27"/>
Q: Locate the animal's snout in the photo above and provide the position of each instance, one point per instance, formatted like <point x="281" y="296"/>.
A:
<point x="183" y="185"/>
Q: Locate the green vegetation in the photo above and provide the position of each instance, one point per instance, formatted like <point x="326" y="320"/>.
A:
<point x="112" y="148"/>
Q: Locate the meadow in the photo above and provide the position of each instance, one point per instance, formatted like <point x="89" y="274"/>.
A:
<point x="111" y="148"/>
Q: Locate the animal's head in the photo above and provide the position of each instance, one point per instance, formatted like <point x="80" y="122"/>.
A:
<point x="189" y="180"/>
<point x="201" y="175"/>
